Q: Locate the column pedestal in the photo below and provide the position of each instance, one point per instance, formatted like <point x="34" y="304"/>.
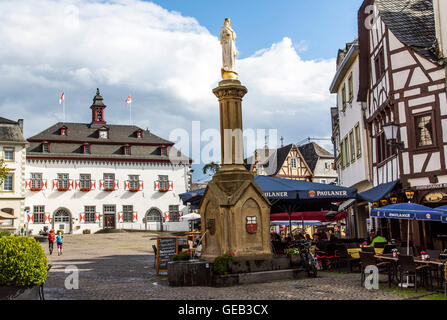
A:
<point x="235" y="213"/>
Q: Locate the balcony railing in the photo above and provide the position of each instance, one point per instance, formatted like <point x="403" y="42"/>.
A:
<point x="163" y="186"/>
<point x="38" y="185"/>
<point x="132" y="186"/>
<point x="108" y="187"/>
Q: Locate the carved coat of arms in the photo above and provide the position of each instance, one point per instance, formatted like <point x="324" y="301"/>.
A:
<point x="251" y="224"/>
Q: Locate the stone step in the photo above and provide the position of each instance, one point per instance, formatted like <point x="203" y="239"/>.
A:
<point x="258" y="277"/>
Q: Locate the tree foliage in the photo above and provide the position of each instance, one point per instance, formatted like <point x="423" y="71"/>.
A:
<point x="22" y="262"/>
<point x="3" y="171"/>
<point x="212" y="166"/>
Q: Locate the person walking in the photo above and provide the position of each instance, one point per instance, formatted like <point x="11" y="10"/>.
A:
<point x="59" y="243"/>
<point x="51" y="237"/>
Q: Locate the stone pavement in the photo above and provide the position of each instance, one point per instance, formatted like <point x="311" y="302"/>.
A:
<point x="121" y="266"/>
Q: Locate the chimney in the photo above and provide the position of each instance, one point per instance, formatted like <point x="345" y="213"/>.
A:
<point x="20" y="122"/>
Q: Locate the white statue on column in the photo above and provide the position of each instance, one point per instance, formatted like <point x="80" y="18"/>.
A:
<point x="229" y="51"/>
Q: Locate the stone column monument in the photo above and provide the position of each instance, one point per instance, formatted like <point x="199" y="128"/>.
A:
<point x="235" y="213"/>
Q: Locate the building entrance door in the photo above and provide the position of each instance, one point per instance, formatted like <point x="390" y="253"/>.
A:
<point x="109" y="216"/>
<point x="62" y="220"/>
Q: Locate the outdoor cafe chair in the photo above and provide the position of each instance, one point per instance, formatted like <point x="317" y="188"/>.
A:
<point x="368" y="259"/>
<point x="380" y="244"/>
<point x="368" y="250"/>
<point x="435" y="254"/>
<point x="408" y="267"/>
<point x="342" y="257"/>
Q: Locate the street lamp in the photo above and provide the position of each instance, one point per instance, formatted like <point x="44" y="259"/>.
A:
<point x="391" y="129"/>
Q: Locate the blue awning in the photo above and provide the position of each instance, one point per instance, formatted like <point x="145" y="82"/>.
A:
<point x="443" y="209"/>
<point x="290" y="190"/>
<point x="377" y="193"/>
<point x="407" y="211"/>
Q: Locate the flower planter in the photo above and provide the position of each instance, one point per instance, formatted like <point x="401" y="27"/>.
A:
<point x="62" y="189"/>
<point x="20" y="293"/>
<point x="295" y="260"/>
<point x="35" y="189"/>
<point x="134" y="190"/>
<point x="109" y="189"/>
<point x="85" y="189"/>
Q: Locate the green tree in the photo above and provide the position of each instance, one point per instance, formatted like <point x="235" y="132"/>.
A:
<point x="3" y="171"/>
<point x="212" y="166"/>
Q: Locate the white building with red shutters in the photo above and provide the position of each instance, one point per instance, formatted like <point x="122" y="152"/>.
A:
<point x="97" y="176"/>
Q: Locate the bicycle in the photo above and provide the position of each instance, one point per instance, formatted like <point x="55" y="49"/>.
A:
<point x="307" y="258"/>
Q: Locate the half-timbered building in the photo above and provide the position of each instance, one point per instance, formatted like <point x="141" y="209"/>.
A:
<point x="289" y="162"/>
<point x="403" y="83"/>
<point x="93" y="176"/>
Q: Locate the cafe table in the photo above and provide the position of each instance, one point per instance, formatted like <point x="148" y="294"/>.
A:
<point x="389" y="257"/>
<point x="355" y="252"/>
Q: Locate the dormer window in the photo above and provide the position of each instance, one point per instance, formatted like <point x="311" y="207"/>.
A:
<point x="103" y="133"/>
<point x="164" y="151"/>
<point x="140" y="134"/>
<point x="64" y="131"/>
<point x="86" y="148"/>
<point x="45" y="147"/>
<point x="127" y="150"/>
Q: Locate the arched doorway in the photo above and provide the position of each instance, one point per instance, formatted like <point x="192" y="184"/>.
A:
<point x="62" y="220"/>
<point x="154" y="216"/>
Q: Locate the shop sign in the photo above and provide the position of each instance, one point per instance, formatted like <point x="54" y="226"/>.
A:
<point x="434" y="197"/>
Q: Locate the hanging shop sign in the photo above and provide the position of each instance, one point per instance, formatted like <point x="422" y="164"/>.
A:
<point x="434" y="197"/>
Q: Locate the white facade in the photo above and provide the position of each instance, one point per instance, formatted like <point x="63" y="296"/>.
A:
<point x="74" y="201"/>
<point x="13" y="198"/>
<point x="12" y="191"/>
<point x="351" y="145"/>
<point x="324" y="171"/>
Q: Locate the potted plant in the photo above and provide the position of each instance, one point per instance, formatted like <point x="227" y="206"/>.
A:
<point x="294" y="256"/>
<point x="184" y="256"/>
<point x="221" y="262"/>
<point x="424" y="255"/>
<point x="23" y="268"/>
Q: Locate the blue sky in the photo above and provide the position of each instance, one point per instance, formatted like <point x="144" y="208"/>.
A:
<point x="166" y="55"/>
<point x="315" y="27"/>
<point x="320" y="25"/>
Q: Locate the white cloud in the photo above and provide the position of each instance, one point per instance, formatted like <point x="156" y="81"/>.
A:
<point x="167" y="62"/>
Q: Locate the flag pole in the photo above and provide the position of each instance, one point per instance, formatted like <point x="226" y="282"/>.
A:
<point x="63" y="107"/>
<point x="130" y="112"/>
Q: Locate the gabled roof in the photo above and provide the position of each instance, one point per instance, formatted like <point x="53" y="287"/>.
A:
<point x="413" y="23"/>
<point x="312" y="152"/>
<point x="274" y="160"/>
<point x="83" y="132"/>
<point x="10" y="131"/>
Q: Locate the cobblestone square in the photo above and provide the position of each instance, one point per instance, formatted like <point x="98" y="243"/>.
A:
<point x="121" y="266"/>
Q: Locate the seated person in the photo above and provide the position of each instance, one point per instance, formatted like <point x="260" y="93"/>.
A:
<point x="308" y="237"/>
<point x="371" y="237"/>
<point x="378" y="238"/>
